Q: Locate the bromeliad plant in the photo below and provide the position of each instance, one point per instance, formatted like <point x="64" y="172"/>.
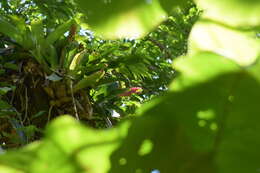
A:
<point x="56" y="66"/>
<point x="53" y="71"/>
<point x="42" y="67"/>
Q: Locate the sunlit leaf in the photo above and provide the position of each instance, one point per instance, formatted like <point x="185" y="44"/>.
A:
<point x="117" y="18"/>
<point x="91" y="152"/>
<point x="71" y="149"/>
<point x="193" y="76"/>
<point x="4" y="90"/>
<point x="232" y="12"/>
<point x="241" y="47"/>
<point x="17" y="162"/>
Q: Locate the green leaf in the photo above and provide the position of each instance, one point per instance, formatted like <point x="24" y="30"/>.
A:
<point x="19" y="23"/>
<point x="39" y="114"/>
<point x="50" y="54"/>
<point x="242" y="47"/>
<point x="4" y="90"/>
<point x="232" y="12"/>
<point x="117" y="18"/>
<point x="37" y="31"/>
<point x="4" y="105"/>
<point x="11" y="66"/>
<point x="2" y="71"/>
<point x="69" y="54"/>
<point x="58" y="32"/>
<point x="193" y="76"/>
<point x="78" y="59"/>
<point x="7" y="169"/>
<point x="90" y="153"/>
<point x="88" y="81"/>
<point x="38" y="55"/>
<point x="17" y="162"/>
<point x="10" y="30"/>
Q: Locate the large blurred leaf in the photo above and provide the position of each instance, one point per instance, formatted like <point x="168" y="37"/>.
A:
<point x="116" y="18"/>
<point x="243" y="13"/>
<point x="68" y="147"/>
<point x="210" y="126"/>
<point x="194" y="73"/>
<point x="17" y="162"/>
<point x="242" y="47"/>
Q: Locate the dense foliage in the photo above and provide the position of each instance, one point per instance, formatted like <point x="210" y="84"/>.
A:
<point x="73" y="71"/>
<point x="52" y="64"/>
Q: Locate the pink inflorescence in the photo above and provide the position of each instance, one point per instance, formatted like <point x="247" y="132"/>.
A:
<point x="133" y="90"/>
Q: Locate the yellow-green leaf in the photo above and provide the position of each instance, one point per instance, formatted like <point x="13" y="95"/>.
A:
<point x="243" y="13"/>
<point x="241" y="47"/>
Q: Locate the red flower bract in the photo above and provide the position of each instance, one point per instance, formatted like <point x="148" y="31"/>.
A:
<point x="133" y="90"/>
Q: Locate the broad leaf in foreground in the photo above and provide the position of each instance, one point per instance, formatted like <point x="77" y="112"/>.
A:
<point x="210" y="125"/>
<point x="241" y="13"/>
<point x="68" y="147"/>
<point x="116" y="18"/>
<point x="242" y="47"/>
